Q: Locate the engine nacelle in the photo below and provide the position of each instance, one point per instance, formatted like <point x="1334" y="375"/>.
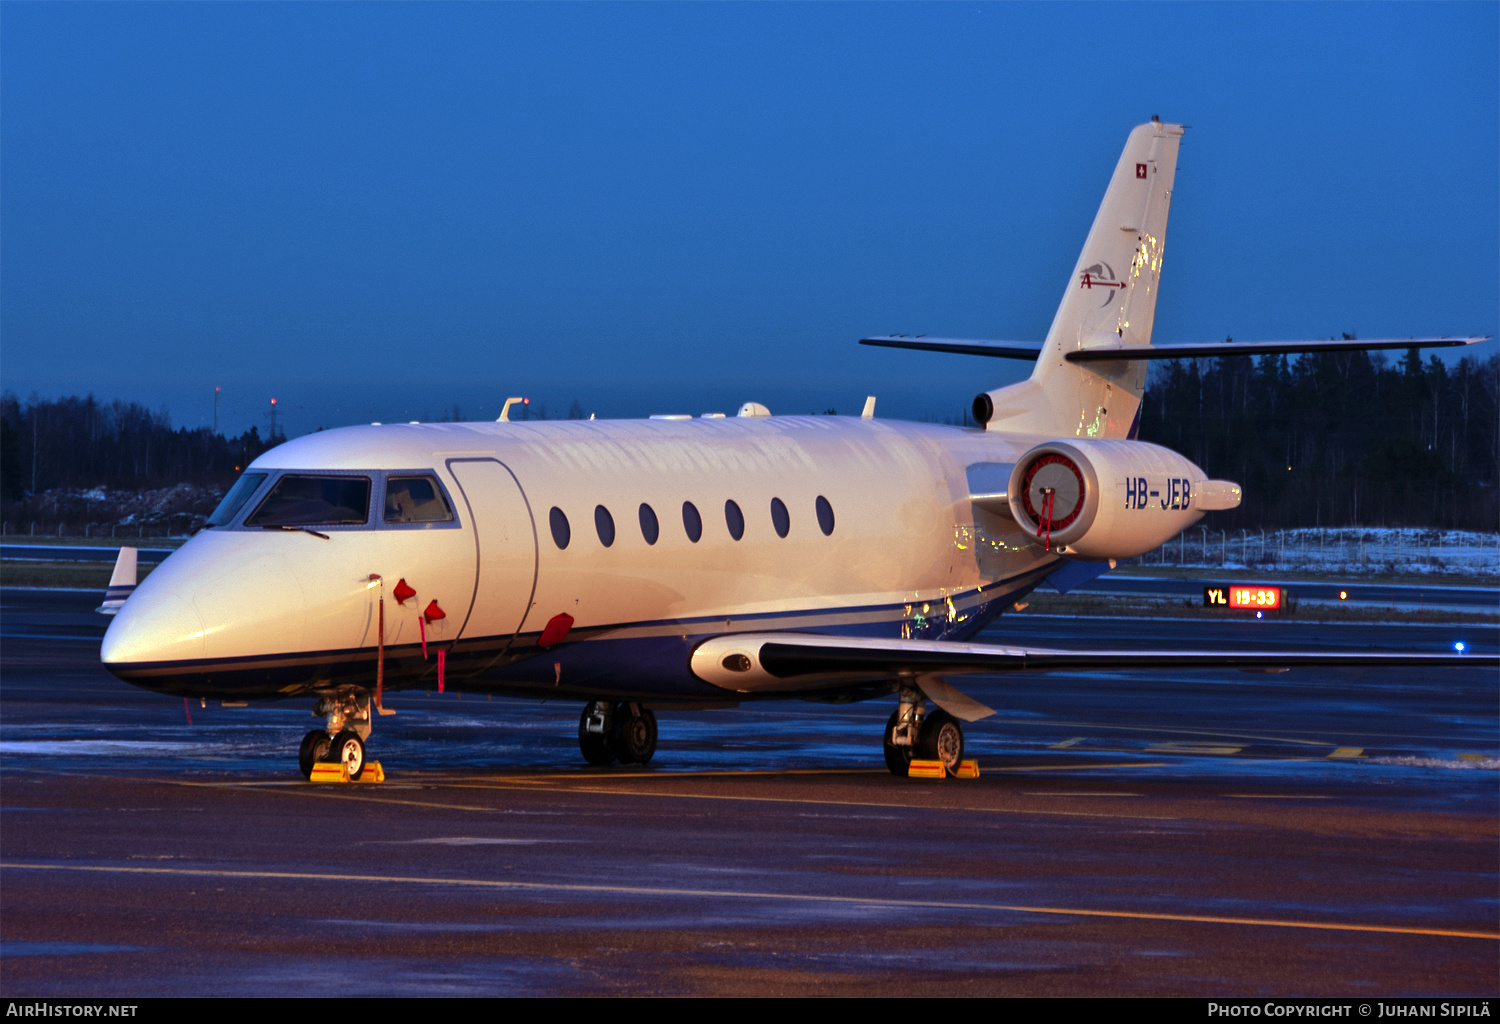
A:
<point x="1101" y="499"/>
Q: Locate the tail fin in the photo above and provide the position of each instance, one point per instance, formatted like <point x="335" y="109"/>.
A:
<point x="1110" y="300"/>
<point x="121" y="582"/>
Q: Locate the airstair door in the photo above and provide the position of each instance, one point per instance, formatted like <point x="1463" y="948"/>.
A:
<point x="505" y="549"/>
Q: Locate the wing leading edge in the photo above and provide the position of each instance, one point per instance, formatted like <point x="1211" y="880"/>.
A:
<point x="754" y="663"/>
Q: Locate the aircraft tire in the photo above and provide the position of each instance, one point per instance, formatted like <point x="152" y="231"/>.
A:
<point x="597" y="749"/>
<point x="350" y="749"/>
<point x="942" y="740"/>
<point x="634" y="735"/>
<point x="314" y="749"/>
<point x="897" y="759"/>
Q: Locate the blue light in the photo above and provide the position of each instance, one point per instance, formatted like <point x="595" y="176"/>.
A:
<point x="1458" y="646"/>
<point x="1260" y="615"/>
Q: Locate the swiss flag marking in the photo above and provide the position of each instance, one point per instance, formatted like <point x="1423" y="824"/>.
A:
<point x="1140" y="170"/>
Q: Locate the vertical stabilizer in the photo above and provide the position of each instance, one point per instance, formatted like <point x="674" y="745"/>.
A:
<point x="1110" y="300"/>
<point x="121" y="582"/>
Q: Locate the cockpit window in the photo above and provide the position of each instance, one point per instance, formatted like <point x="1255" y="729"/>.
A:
<point x="298" y="500"/>
<point x="236" y="498"/>
<point x="415" y="499"/>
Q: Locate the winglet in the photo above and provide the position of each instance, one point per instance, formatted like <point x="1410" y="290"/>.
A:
<point x="121" y="582"/>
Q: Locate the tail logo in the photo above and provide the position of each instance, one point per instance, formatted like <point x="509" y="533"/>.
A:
<point x="1101" y="275"/>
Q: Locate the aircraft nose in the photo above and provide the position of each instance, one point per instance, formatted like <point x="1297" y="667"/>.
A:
<point x="153" y="627"/>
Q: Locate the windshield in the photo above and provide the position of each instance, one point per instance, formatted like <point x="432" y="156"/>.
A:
<point x="314" y="501"/>
<point x="236" y="498"/>
<point x="415" y="499"/>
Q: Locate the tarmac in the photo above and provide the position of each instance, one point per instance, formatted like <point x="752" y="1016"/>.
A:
<point x="1135" y="833"/>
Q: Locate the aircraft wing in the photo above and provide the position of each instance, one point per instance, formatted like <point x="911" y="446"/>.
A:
<point x="754" y="663"/>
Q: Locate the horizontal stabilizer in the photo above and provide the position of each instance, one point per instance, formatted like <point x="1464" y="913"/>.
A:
<point x="1028" y="350"/>
<point x="1200" y="350"/>
<point x="1219" y="349"/>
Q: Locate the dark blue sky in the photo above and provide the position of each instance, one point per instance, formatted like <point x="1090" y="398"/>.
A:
<point x="380" y="211"/>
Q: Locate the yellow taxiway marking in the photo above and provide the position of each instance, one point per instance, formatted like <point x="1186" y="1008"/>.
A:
<point x="1077" y="767"/>
<point x="1272" y="796"/>
<point x="644" y="890"/>
<point x="325" y="792"/>
<point x="1348" y="752"/>
<point x="365" y="796"/>
<point x="666" y="773"/>
<point x="1050" y="793"/>
<point x="823" y="803"/>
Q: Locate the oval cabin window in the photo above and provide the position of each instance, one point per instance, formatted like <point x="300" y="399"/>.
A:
<point x="692" y="522"/>
<point x="779" y="517"/>
<point x="734" y="519"/>
<point x="561" y="534"/>
<point x="604" y="523"/>
<point x="650" y="528"/>
<point x="825" y="516"/>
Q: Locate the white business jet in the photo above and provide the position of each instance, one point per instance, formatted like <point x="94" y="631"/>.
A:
<point x="674" y="561"/>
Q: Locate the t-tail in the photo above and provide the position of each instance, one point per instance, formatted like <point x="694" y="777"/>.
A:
<point x="1089" y="375"/>
<point x="1110" y="302"/>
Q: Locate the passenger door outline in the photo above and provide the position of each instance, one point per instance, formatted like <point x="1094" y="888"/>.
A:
<point x="475" y="521"/>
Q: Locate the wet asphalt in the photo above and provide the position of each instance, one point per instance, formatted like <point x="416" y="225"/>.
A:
<point x="1185" y="832"/>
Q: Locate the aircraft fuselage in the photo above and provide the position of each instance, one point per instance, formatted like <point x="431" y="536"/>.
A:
<point x="247" y="611"/>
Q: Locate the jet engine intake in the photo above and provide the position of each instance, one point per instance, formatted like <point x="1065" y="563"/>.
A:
<point x="1099" y="499"/>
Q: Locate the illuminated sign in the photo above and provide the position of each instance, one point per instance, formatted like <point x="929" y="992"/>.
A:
<point x="1260" y="599"/>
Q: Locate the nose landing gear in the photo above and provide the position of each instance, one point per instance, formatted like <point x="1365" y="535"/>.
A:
<point x="314" y="748"/>
<point x="347" y="714"/>
<point x="608" y="732"/>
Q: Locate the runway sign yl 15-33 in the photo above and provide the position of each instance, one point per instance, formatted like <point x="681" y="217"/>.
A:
<point x="1259" y="599"/>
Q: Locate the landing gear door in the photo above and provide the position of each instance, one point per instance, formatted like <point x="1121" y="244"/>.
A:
<point x="505" y="551"/>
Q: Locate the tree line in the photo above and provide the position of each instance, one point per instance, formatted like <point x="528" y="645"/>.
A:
<point x="1337" y="439"/>
<point x="85" y="443"/>
<point x="1328" y="439"/>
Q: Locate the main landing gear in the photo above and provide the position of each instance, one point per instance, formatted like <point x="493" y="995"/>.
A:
<point x="616" y="732"/>
<point x="913" y="733"/>
<point x="347" y="718"/>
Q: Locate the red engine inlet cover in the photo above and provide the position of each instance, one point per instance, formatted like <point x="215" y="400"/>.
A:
<point x="1057" y="478"/>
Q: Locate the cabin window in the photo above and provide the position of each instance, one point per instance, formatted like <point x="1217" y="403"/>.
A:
<point x="561" y="533"/>
<point x="692" y="522"/>
<point x="415" y="499"/>
<point x="604" y="523"/>
<point x="779" y="517"/>
<point x="236" y="498"/>
<point x="734" y="519"/>
<point x="825" y="516"/>
<point x="305" y="500"/>
<point x="650" y="528"/>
